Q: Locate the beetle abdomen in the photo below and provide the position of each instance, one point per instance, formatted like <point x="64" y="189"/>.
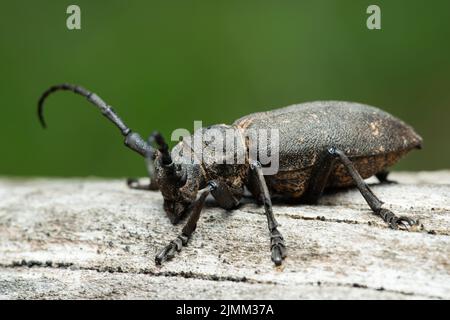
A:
<point x="306" y="130"/>
<point x="294" y="183"/>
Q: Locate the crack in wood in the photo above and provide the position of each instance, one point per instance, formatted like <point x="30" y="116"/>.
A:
<point x="381" y="225"/>
<point x="108" y="269"/>
<point x="73" y="234"/>
<point x="198" y="276"/>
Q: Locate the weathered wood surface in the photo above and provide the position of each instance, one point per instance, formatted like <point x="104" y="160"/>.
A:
<point x="95" y="238"/>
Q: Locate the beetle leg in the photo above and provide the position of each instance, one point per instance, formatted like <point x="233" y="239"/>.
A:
<point x="176" y="245"/>
<point x="319" y="177"/>
<point x="372" y="200"/>
<point x="277" y="245"/>
<point x="383" y="177"/>
<point x="227" y="197"/>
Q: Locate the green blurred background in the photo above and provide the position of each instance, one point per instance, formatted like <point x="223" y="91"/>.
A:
<point x="164" y="64"/>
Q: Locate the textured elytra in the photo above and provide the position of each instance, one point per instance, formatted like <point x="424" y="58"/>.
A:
<point x="307" y="129"/>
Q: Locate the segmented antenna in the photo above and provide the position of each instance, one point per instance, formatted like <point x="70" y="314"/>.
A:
<point x="132" y="139"/>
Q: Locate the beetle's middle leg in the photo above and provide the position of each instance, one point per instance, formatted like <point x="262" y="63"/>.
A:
<point x="277" y="245"/>
<point x="320" y="178"/>
<point x="228" y="198"/>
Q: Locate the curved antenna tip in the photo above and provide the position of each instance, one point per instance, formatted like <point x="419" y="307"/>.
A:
<point x="41" y="115"/>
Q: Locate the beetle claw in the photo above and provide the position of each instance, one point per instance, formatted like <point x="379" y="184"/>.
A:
<point x="165" y="254"/>
<point x="169" y="251"/>
<point x="406" y="223"/>
<point x="402" y="223"/>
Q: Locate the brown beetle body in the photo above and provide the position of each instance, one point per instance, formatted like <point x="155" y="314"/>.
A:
<point x="373" y="139"/>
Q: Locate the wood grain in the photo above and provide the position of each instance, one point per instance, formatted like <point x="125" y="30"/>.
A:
<point x="96" y="239"/>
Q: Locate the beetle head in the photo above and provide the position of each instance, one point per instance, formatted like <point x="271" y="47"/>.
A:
<point x="183" y="172"/>
<point x="179" y="184"/>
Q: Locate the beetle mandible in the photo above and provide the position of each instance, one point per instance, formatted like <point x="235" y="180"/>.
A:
<point x="321" y="144"/>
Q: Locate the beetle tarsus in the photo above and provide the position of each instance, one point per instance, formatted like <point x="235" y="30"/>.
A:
<point x="277" y="247"/>
<point x="173" y="247"/>
<point x="395" y="222"/>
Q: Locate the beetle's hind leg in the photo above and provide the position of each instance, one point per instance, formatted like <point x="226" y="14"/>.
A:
<point x="375" y="204"/>
<point x="383" y="177"/>
<point x="134" y="183"/>
<point x="277" y="245"/>
<point x="320" y="177"/>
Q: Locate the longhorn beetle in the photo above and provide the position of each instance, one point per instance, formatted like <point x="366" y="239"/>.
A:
<point x="321" y="144"/>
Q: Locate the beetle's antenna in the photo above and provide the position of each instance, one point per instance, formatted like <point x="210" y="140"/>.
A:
<point x="132" y="139"/>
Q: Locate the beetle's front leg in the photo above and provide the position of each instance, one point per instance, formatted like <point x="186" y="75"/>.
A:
<point x="277" y="245"/>
<point x="176" y="245"/>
